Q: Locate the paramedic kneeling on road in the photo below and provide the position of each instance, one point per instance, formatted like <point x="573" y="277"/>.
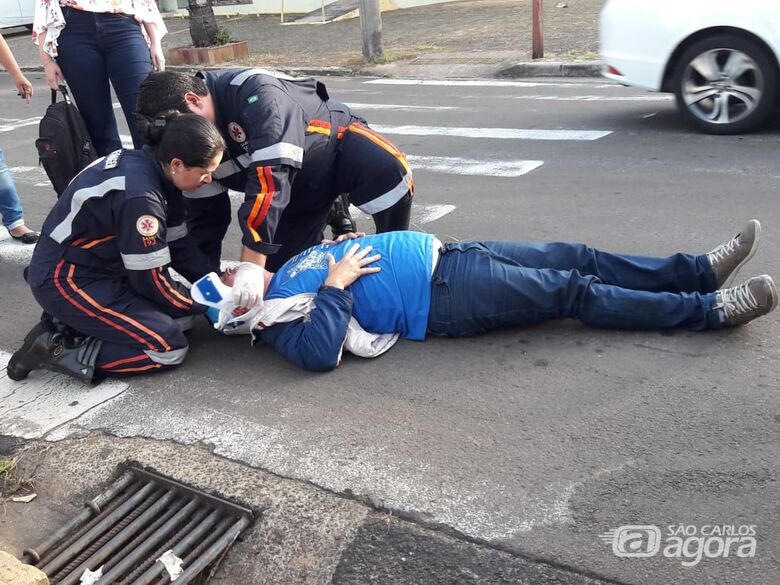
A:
<point x="100" y="267"/>
<point x="362" y="295"/>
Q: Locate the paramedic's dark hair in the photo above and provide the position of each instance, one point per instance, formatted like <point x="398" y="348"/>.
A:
<point x="164" y="90"/>
<point x="188" y="137"/>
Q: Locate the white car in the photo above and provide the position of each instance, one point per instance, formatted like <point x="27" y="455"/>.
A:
<point x="721" y="58"/>
<point x="17" y="13"/>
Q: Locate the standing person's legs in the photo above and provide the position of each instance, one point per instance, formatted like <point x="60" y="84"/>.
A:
<point x="84" y="67"/>
<point x="676" y="273"/>
<point x="475" y="291"/>
<point x="128" y="60"/>
<point x="376" y="176"/>
<point x="10" y="206"/>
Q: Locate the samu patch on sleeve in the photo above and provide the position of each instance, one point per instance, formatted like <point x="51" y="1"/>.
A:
<point x="147" y="226"/>
<point x="252" y="99"/>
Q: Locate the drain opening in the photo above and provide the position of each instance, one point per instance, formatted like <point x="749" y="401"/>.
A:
<point x="143" y="530"/>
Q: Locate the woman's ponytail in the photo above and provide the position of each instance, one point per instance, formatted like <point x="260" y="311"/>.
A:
<point x="151" y="130"/>
<point x="189" y="137"/>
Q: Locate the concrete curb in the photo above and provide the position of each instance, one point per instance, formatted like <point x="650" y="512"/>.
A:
<point x="552" y="69"/>
<point x="518" y="70"/>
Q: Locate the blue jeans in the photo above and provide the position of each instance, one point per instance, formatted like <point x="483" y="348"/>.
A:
<point x="10" y="206"/>
<point x="479" y="286"/>
<point x="95" y="48"/>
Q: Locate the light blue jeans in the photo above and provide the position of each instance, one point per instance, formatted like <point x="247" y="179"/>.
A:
<point x="10" y="206"/>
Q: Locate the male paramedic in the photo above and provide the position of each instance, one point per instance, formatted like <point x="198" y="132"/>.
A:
<point x="362" y="295"/>
<point x="292" y="151"/>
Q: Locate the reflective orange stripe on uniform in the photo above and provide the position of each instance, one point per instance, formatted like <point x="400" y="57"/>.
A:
<point x="319" y="127"/>
<point x="381" y="142"/>
<point x="262" y="202"/>
<point x="83" y="309"/>
<point x="166" y="293"/>
<point x="116" y="363"/>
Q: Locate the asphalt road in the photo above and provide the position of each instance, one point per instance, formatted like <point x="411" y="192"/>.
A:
<point x="536" y="441"/>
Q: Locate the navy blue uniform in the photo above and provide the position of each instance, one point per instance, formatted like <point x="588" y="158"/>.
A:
<point x="292" y="151"/>
<point x="101" y="264"/>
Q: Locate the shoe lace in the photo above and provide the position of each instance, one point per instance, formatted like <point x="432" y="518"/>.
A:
<point x="738" y="300"/>
<point x="723" y="250"/>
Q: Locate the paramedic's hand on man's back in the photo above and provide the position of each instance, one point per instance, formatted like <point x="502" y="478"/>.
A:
<point x="342" y="237"/>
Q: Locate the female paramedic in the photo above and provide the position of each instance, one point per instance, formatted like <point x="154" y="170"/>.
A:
<point x="100" y="269"/>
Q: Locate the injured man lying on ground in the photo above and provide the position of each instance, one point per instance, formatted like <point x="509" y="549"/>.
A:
<point x="362" y="294"/>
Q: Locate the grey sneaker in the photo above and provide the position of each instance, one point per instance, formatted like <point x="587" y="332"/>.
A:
<point x="730" y="256"/>
<point x="747" y="301"/>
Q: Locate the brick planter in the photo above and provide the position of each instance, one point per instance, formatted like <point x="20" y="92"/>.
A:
<point x="208" y="55"/>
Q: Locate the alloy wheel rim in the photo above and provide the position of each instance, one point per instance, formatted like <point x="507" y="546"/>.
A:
<point x="722" y="86"/>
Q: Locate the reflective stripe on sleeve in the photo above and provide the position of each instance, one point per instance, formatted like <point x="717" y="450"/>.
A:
<point x="278" y="150"/>
<point x="147" y="261"/>
<point x="80" y="197"/>
<point x="389" y="199"/>
<point x="176" y="232"/>
<point x="208" y="190"/>
<point x="226" y="169"/>
<point x="244" y="75"/>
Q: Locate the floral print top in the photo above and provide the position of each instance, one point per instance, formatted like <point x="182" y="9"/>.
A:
<point x="49" y="17"/>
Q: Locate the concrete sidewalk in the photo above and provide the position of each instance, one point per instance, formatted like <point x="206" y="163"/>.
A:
<point x="469" y="38"/>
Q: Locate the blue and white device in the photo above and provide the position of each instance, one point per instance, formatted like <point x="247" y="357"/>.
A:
<point x="209" y="290"/>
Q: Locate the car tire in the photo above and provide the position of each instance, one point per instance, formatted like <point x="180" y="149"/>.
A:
<point x="726" y="84"/>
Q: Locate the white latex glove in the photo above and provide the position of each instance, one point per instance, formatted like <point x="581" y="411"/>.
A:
<point x="248" y="285"/>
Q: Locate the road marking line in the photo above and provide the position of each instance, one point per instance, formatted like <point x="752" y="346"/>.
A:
<point x="34" y="176"/>
<point x="465" y="166"/>
<point x="14" y="251"/>
<point x="499" y="133"/>
<point x="20" y="124"/>
<point x="45" y="400"/>
<point x="485" y="83"/>
<point x="595" y="98"/>
<point x="357" y="106"/>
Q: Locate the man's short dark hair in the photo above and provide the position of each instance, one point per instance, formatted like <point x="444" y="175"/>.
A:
<point x="164" y="90"/>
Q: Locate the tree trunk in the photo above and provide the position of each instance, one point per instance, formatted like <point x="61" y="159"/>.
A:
<point x="203" y="23"/>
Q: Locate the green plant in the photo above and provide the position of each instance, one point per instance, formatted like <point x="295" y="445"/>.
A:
<point x="221" y="37"/>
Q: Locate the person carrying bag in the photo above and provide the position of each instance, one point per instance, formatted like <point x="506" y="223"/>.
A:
<point x="64" y="145"/>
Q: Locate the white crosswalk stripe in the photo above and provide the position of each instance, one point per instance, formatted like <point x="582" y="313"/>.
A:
<point x="496" y="133"/>
<point x="13" y="251"/>
<point x="466" y="166"/>
<point x="486" y="83"/>
<point x="406" y="108"/>
<point x="45" y="400"/>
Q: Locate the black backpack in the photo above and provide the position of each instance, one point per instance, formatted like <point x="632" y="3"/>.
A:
<point x="64" y="146"/>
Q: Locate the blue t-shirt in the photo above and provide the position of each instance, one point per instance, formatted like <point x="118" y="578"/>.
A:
<point x="395" y="300"/>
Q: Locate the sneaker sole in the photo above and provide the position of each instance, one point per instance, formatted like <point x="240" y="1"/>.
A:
<point x="732" y="277"/>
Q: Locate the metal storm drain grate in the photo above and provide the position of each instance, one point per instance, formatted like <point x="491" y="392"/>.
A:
<point x="145" y="529"/>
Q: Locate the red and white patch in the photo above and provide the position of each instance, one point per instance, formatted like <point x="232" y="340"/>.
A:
<point x="147" y="226"/>
<point x="236" y="132"/>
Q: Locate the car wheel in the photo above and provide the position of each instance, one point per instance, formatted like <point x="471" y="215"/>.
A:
<point x="726" y="84"/>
